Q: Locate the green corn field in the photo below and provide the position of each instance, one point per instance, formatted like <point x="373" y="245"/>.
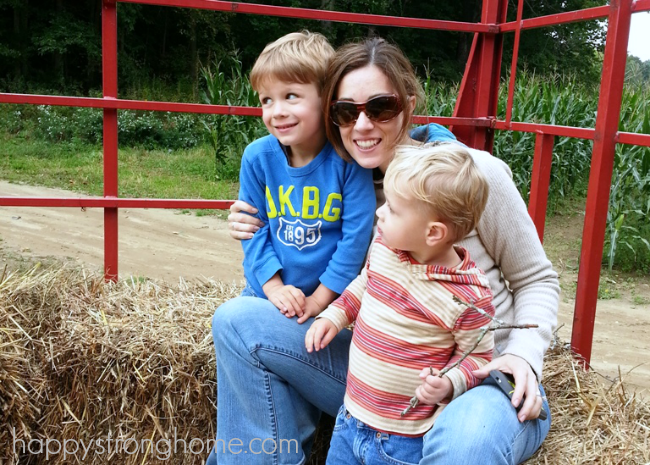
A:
<point x="562" y="100"/>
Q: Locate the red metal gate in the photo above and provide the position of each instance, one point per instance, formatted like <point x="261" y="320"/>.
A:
<point x="474" y="120"/>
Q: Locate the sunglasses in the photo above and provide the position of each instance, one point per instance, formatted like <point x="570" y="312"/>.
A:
<point x="379" y="109"/>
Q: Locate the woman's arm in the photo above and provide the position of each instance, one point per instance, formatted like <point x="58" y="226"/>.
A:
<point x="510" y="238"/>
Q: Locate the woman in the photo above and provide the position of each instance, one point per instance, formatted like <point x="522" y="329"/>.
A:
<point x="270" y="387"/>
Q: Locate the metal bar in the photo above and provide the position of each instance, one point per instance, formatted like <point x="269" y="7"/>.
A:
<point x="479" y="88"/>
<point x="456" y="121"/>
<point x="562" y="131"/>
<point x="485" y="74"/>
<point x="323" y="15"/>
<point x="464" y="106"/>
<point x="109" y="103"/>
<point x="600" y="176"/>
<point x="113" y="202"/>
<point x="490" y="73"/>
<point x="633" y="139"/>
<point x="540" y="181"/>
<point x="513" y="67"/>
<point x="189" y="107"/>
<point x="587" y="14"/>
<point x="109" y="73"/>
<point x="641" y="5"/>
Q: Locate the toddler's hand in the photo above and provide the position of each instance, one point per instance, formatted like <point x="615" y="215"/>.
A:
<point x="289" y="300"/>
<point x="320" y="334"/>
<point x="433" y="388"/>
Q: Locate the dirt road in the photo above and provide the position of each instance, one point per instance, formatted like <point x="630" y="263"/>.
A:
<point x="166" y="245"/>
<point x="160" y="244"/>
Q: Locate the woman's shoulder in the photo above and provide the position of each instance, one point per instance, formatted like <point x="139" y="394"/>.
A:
<point x="489" y="164"/>
<point x="434" y="132"/>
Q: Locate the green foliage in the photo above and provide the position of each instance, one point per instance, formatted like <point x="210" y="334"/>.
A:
<point x="637" y="72"/>
<point x="135" y="128"/>
<point x="229" y="135"/>
<point x="552" y="99"/>
<point x="628" y="230"/>
<point x="562" y="100"/>
<point x="56" y="45"/>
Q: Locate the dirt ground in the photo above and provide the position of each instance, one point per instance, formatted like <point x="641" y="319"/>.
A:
<point x="168" y="245"/>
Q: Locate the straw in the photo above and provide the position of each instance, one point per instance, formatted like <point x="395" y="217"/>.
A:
<point x="82" y="360"/>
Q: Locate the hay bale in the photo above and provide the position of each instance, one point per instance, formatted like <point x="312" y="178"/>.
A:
<point x="130" y="361"/>
<point x="594" y="420"/>
<point x="82" y="360"/>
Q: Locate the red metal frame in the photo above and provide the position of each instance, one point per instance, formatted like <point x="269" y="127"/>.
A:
<point x="600" y="176"/>
<point x="474" y="120"/>
<point x="109" y="65"/>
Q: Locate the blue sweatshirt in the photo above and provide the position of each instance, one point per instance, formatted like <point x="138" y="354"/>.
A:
<point x="317" y="218"/>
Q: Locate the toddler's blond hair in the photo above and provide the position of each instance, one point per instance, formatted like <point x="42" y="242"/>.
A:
<point x="301" y="57"/>
<point x="445" y="179"/>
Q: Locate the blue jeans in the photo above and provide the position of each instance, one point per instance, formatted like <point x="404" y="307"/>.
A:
<point x="354" y="442"/>
<point x="270" y="389"/>
<point x="481" y="426"/>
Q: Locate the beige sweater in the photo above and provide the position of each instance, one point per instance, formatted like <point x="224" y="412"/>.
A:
<point x="506" y="247"/>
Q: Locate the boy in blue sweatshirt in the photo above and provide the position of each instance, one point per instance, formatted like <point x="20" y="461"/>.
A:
<point x="316" y="232"/>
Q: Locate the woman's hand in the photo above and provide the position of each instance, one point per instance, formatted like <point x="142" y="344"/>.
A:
<point x="525" y="384"/>
<point x="241" y="225"/>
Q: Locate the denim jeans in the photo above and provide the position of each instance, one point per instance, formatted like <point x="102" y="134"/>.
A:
<point x="481" y="426"/>
<point x="354" y="442"/>
<point x="270" y="389"/>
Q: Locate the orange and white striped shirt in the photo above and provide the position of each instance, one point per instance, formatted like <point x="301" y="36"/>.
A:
<point x="406" y="320"/>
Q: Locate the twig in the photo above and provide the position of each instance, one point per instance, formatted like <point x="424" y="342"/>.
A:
<point x="498" y="324"/>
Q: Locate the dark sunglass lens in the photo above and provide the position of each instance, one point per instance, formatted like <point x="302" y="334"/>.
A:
<point x="383" y="108"/>
<point x="344" y="113"/>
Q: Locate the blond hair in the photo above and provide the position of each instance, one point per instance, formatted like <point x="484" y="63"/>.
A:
<point x="300" y="57"/>
<point x="392" y="62"/>
<point x="444" y="178"/>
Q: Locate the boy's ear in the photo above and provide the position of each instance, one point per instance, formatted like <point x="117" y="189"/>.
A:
<point x="437" y="232"/>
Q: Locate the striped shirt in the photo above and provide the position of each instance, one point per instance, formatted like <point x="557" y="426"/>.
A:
<point x="406" y="320"/>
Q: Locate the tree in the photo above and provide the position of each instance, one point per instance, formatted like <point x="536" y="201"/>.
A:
<point x="56" y="45"/>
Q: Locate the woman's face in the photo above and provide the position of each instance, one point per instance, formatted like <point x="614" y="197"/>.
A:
<point x="370" y="143"/>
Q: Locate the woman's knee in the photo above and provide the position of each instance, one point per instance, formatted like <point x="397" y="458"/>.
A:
<point x="250" y="319"/>
<point x="467" y="426"/>
<point x="234" y="314"/>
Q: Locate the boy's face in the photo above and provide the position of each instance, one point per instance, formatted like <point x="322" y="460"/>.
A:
<point x="402" y="224"/>
<point x="292" y="112"/>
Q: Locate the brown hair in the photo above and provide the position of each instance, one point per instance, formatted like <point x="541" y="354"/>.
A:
<point x="300" y="57"/>
<point x="391" y="61"/>
<point x="445" y="179"/>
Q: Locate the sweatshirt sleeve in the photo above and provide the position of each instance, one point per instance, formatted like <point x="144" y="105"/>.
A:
<point x="344" y="310"/>
<point x="258" y="251"/>
<point x="357" y="220"/>
<point x="510" y="238"/>
<point x="467" y="332"/>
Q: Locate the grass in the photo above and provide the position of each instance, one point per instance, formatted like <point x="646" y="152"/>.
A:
<point x="187" y="173"/>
